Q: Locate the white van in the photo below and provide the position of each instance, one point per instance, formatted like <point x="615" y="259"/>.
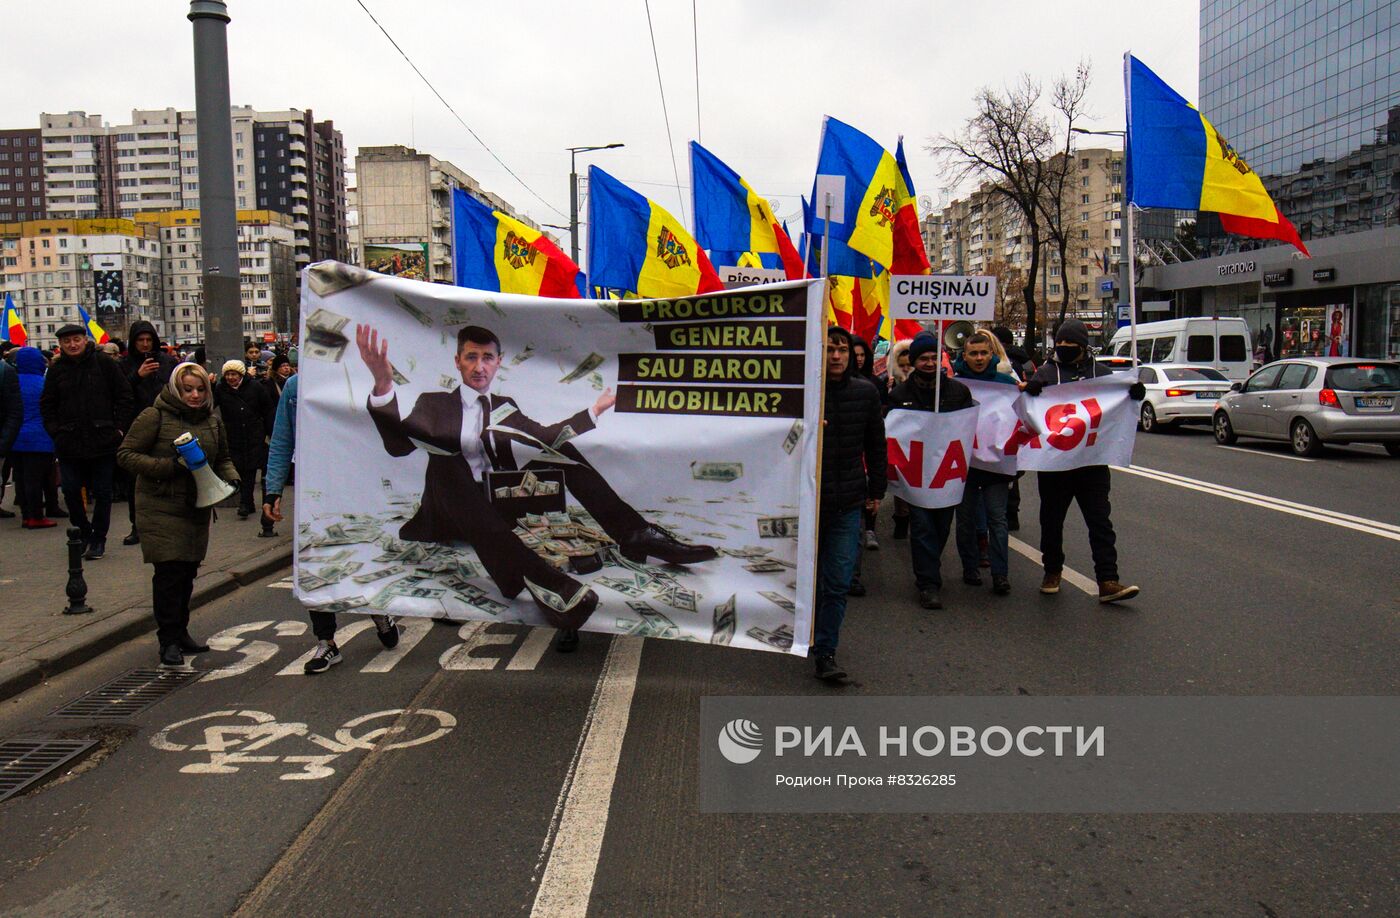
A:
<point x="1220" y="343"/>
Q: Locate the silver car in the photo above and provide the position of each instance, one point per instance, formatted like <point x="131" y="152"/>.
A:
<point x="1312" y="401"/>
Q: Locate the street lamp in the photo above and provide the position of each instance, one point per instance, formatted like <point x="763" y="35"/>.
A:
<point x="573" y="192"/>
<point x="1075" y="130"/>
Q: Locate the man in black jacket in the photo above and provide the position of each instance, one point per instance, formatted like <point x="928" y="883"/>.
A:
<point x="853" y="481"/>
<point x="86" y="407"/>
<point x="928" y="528"/>
<point x="1088" y="485"/>
<point x="147" y="369"/>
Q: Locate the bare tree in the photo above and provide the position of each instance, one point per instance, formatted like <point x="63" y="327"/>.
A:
<point x="1067" y="102"/>
<point x="1011" y="300"/>
<point x="1007" y="144"/>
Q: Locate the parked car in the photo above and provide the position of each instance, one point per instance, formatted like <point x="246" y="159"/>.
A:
<point x="1178" y="393"/>
<point x="1313" y="401"/>
<point x="1220" y="343"/>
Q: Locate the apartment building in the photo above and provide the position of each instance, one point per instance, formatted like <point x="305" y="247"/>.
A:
<point x="267" y="272"/>
<point x="404" y="203"/>
<point x="21" y="175"/>
<point x="51" y="267"/>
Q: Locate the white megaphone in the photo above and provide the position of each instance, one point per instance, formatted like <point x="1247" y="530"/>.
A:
<point x="210" y="488"/>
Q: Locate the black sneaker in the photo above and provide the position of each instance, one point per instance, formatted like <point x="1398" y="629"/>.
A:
<point x="7" y="514"/>
<point x="568" y="640"/>
<point x="828" y="670"/>
<point x="96" y="549"/>
<point x="326" y="656"/>
<point x="1001" y="585"/>
<point x="388" y="629"/>
<point x="929" y="599"/>
<point x="857" y="588"/>
<point x="972" y="578"/>
<point x="132" y="538"/>
<point x="170" y="656"/>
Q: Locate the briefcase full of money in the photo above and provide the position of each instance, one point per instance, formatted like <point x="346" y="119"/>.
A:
<point x="515" y="494"/>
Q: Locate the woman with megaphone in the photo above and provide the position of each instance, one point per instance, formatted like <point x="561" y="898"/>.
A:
<point x="178" y="451"/>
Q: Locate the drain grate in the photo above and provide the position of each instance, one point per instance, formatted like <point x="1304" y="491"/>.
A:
<point x="128" y="694"/>
<point x="22" y="762"/>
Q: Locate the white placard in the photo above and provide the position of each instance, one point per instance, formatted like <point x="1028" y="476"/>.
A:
<point x="835" y="186"/>
<point x="929" y="297"/>
<point x="747" y="277"/>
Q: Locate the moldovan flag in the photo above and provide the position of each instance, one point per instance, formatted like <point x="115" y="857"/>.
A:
<point x="99" y="334"/>
<point x="730" y="217"/>
<point x="635" y="245"/>
<point x="497" y="252"/>
<point x="12" y="329"/>
<point x="1176" y="159"/>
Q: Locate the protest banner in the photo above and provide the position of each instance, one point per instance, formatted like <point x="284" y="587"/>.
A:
<point x="998" y="414"/>
<point x="1072" y="425"/>
<point x="508" y="458"/>
<point x="929" y="454"/>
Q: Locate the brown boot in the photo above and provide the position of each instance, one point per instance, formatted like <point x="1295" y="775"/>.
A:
<point x="1113" y="591"/>
<point x="1051" y="583"/>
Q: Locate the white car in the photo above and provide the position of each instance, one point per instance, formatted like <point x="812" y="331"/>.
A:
<point x="1179" y="393"/>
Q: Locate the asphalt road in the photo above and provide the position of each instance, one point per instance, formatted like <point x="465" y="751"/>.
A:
<point x="566" y="784"/>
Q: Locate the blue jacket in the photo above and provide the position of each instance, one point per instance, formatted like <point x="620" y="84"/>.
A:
<point x="284" y="439"/>
<point x="33" y="438"/>
<point x="960" y="368"/>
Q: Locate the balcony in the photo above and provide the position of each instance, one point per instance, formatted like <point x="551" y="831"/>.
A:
<point x="297" y="129"/>
<point x="300" y="193"/>
<point x="301" y="226"/>
<point x="300" y="210"/>
<point x="298" y="162"/>
<point x="298" y="146"/>
<point x="303" y="258"/>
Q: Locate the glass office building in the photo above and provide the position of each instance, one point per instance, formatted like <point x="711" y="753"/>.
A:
<point x="1308" y="92"/>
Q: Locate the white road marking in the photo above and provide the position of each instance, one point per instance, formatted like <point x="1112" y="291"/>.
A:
<point x="230" y="638"/>
<point x="343" y="636"/>
<point x="575" y="840"/>
<point x="474" y="635"/>
<point x="1068" y="575"/>
<point x="1318" y="514"/>
<point x="537" y="641"/>
<point x="414" y="630"/>
<point x="291" y="629"/>
<point x="281" y="585"/>
<point x="1257" y="452"/>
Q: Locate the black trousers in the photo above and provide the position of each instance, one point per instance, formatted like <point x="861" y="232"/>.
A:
<point x="1089" y="487"/>
<point x="171" y="587"/>
<point x="32" y="475"/>
<point x="323" y="625"/>
<point x="247" y="486"/>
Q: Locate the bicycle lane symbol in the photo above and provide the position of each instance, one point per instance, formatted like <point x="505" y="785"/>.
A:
<point x="235" y="739"/>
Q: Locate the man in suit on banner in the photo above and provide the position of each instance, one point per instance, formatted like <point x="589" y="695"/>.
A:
<point x="452" y="427"/>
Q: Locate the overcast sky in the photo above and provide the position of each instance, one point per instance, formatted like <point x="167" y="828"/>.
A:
<point x="534" y="78"/>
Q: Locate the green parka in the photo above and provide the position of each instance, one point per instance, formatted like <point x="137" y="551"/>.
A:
<point x="172" y="528"/>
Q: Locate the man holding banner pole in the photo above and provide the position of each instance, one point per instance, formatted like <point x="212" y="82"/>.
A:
<point x="984" y="485"/>
<point x="926" y="390"/>
<point x="1088" y="485"/>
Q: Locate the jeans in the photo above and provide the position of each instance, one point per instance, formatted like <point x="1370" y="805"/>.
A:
<point x="1089" y="486"/>
<point x="928" y="533"/>
<point x="838" y="543"/>
<point x="95" y="474"/>
<point x="990" y="493"/>
<point x="171" y="587"/>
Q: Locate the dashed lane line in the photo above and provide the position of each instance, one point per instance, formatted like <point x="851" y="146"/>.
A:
<point x="1068" y="575"/>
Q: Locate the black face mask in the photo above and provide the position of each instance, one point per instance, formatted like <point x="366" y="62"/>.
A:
<point x="1067" y="353"/>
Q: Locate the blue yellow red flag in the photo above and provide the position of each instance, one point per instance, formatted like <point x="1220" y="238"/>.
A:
<point x="98" y="333"/>
<point x="634" y="244"/>
<point x="731" y="217"/>
<point x="495" y="251"/>
<point x="11" y="328"/>
<point x="1175" y="158"/>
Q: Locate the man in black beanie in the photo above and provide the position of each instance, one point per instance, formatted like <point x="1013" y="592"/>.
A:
<point x="1088" y="484"/>
<point x="928" y="528"/>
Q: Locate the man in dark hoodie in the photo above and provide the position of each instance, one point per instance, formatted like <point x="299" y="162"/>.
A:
<point x="853" y="480"/>
<point x="147" y="368"/>
<point x="86" y="406"/>
<point x="1089" y="485"/>
<point x="928" y="528"/>
<point x="978" y="361"/>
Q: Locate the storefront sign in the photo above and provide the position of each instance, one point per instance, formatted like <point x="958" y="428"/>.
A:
<point x="1325" y="274"/>
<point x="1156" y="305"/>
<point x="1278" y="278"/>
<point x="1236" y="267"/>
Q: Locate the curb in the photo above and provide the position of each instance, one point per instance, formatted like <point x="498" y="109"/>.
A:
<point x="57" y="656"/>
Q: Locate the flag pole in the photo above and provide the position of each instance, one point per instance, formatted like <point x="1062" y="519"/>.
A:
<point x="1128" y="210"/>
<point x="826" y="233"/>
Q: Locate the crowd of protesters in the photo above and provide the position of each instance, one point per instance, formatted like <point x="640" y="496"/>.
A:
<point x="97" y="423"/>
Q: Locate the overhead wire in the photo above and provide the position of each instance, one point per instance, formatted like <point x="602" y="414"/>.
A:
<point x="511" y="172"/>
<point x="665" y="113"/>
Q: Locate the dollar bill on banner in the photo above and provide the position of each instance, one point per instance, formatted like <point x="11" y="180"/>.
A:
<point x="998" y="414"/>
<point x="1072" y="425"/>
<point x="652" y="463"/>
<point x="929" y="455"/>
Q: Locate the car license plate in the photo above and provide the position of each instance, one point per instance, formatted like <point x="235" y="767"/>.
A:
<point x="1374" y="401"/>
<point x="1209" y="394"/>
